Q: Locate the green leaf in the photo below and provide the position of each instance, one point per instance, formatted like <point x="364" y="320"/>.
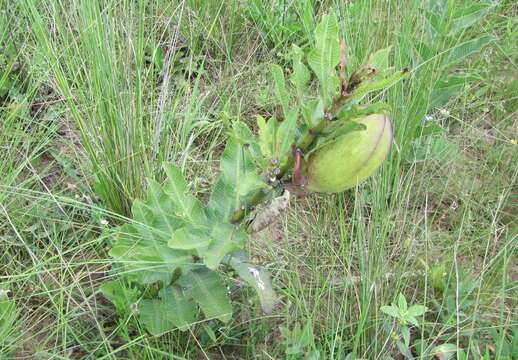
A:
<point x="301" y="74"/>
<point x="405" y="332"/>
<point x="467" y="48"/>
<point x="221" y="203"/>
<point x="258" y="278"/>
<point x="121" y="295"/>
<point x="237" y="181"/>
<point x="225" y="238"/>
<point x="206" y="288"/>
<point x="326" y="55"/>
<point x="147" y="259"/>
<point x="266" y="136"/>
<point x="391" y="311"/>
<point x="280" y="88"/>
<point x="430" y="127"/>
<point x="378" y="83"/>
<point x="445" y="351"/>
<point x="313" y="111"/>
<point x="184" y="205"/>
<point x="417" y="310"/>
<point x="286" y="136"/>
<point x="174" y="309"/>
<point x="189" y="238"/>
<point x="401" y="302"/>
<point x="380" y="59"/>
<point x="470" y="16"/>
<point x="446" y="89"/>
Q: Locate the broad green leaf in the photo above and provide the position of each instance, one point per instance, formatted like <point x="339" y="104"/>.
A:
<point x="378" y="83"/>
<point x="391" y="311"/>
<point x="207" y="289"/>
<point x="185" y="206"/>
<point x="237" y="181"/>
<point x="243" y="135"/>
<point x="401" y="302"/>
<point x="467" y="48"/>
<point x="189" y="238"/>
<point x="446" y="89"/>
<point x="280" y="88"/>
<point x="416" y="310"/>
<point x="174" y="309"/>
<point x="470" y="16"/>
<point x="221" y="203"/>
<point x="225" y="238"/>
<point x="445" y="351"/>
<point x="313" y="112"/>
<point x="326" y="55"/>
<point x="266" y="136"/>
<point x="258" y="278"/>
<point x="357" y="111"/>
<point x="301" y="75"/>
<point x="147" y="259"/>
<point x="121" y="295"/>
<point x="380" y="59"/>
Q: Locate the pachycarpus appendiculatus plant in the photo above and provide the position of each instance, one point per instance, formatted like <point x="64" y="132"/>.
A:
<point x="172" y="254"/>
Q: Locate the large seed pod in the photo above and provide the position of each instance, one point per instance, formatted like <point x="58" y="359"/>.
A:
<point x="352" y="158"/>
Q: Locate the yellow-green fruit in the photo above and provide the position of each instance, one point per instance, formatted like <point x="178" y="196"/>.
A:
<point x="352" y="158"/>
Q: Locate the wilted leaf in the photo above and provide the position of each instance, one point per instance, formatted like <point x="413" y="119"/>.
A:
<point x="258" y="278"/>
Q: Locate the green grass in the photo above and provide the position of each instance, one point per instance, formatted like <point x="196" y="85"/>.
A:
<point x="136" y="83"/>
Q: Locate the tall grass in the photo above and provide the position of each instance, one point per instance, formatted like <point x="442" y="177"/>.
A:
<point x="335" y="259"/>
<point x="131" y="113"/>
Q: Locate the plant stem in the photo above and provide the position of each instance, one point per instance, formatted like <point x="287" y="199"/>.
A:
<point x="303" y="144"/>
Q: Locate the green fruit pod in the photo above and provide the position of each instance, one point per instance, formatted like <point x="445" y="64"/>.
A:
<point x="352" y="158"/>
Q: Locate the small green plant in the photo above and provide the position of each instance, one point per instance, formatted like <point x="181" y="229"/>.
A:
<point x="406" y="317"/>
<point x="300" y="342"/>
<point x="176" y="245"/>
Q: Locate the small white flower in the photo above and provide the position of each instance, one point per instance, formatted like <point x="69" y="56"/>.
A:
<point x="428" y="117"/>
